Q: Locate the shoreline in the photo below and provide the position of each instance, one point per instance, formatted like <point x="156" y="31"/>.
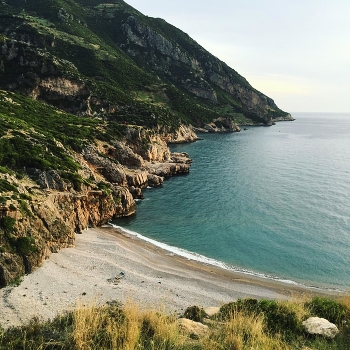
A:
<point x="152" y="278"/>
<point x="205" y="261"/>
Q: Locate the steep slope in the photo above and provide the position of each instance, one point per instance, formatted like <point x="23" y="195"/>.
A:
<point x="128" y="66"/>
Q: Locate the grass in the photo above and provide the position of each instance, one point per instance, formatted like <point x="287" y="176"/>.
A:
<point x="130" y="327"/>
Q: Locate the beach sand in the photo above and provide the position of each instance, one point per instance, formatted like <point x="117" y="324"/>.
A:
<point x="153" y="278"/>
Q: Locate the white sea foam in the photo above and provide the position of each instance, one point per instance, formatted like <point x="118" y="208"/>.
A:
<point x="209" y="261"/>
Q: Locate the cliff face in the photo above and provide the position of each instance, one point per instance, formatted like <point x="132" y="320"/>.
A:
<point x="72" y="55"/>
<point x="186" y="63"/>
<point x="42" y="216"/>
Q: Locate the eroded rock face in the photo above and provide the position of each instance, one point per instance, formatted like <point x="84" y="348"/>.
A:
<point x="53" y="222"/>
<point x="321" y="326"/>
<point x="220" y="125"/>
<point x="56" y="211"/>
<point x="109" y="169"/>
<point x="183" y="134"/>
<point x="11" y="267"/>
<point x="51" y="179"/>
<point x="148" y="144"/>
<point x="137" y="179"/>
<point x="125" y="155"/>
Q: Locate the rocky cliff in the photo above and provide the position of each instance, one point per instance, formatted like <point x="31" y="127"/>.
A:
<point x="42" y="214"/>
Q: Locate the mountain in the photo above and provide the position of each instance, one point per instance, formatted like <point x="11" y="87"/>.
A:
<point x="90" y="95"/>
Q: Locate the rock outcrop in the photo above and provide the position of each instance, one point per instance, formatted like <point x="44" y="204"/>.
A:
<point x="220" y="125"/>
<point x="321" y="326"/>
<point x="52" y="210"/>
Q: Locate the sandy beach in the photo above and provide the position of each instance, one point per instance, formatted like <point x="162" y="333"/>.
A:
<point x="150" y="276"/>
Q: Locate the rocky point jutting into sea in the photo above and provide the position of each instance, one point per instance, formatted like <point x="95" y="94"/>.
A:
<point x="58" y="211"/>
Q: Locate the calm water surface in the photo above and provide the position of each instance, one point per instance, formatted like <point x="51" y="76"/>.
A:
<point x="270" y="200"/>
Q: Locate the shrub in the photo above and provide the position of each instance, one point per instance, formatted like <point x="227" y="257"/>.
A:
<point x="278" y="318"/>
<point x="194" y="313"/>
<point x="329" y="309"/>
<point x="7" y="224"/>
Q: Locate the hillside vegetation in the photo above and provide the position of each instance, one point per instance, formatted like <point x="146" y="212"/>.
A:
<point x="245" y="324"/>
<point x="122" y="65"/>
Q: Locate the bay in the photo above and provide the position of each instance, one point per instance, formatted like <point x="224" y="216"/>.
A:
<point x="272" y="201"/>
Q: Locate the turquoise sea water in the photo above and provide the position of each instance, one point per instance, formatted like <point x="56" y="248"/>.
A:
<point x="273" y="201"/>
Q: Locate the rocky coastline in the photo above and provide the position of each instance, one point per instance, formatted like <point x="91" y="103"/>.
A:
<point x="53" y="210"/>
<point x="114" y="177"/>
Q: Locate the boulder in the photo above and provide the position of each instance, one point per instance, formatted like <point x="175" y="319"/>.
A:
<point x="154" y="180"/>
<point x="192" y="328"/>
<point x="320" y="326"/>
<point x="125" y="155"/>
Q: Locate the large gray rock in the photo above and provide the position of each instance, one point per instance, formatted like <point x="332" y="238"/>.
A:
<point x="52" y="180"/>
<point x="321" y="326"/>
<point x="111" y="171"/>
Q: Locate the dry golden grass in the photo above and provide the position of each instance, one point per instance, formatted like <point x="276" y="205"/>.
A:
<point x="243" y="332"/>
<point x="345" y="300"/>
<point x="132" y="328"/>
<point x="128" y="328"/>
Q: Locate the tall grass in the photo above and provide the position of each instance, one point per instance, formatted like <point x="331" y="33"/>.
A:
<point x="127" y="328"/>
<point x="248" y="324"/>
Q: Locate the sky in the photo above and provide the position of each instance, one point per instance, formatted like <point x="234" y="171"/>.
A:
<point x="297" y="52"/>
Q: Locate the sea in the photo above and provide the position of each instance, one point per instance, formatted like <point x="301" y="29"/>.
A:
<point x="270" y="201"/>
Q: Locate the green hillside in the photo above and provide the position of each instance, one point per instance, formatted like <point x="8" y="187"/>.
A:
<point x="86" y="41"/>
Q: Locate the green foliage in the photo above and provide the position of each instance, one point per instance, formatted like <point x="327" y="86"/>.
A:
<point x="329" y="309"/>
<point x="5" y="186"/>
<point x="25" y="245"/>
<point x="194" y="313"/>
<point x="278" y="318"/>
<point x="105" y="187"/>
<point x="74" y="178"/>
<point x="23" y="207"/>
<point x="7" y="224"/>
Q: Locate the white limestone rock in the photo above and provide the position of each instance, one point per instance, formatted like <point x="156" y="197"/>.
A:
<point x="321" y="326"/>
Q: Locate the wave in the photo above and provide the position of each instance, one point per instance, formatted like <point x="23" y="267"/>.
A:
<point x="213" y="262"/>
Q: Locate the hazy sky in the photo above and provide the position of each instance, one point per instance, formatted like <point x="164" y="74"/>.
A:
<point x="296" y="51"/>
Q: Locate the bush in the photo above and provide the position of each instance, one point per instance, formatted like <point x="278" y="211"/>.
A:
<point x="278" y="318"/>
<point x="25" y="245"/>
<point x="194" y="313"/>
<point x="329" y="309"/>
<point x="7" y="224"/>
